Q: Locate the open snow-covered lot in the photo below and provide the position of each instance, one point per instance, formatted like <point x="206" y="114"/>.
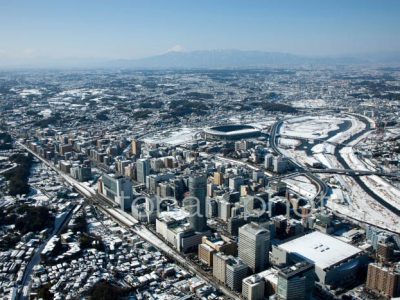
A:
<point x="310" y="127"/>
<point x="348" y="198"/>
<point x="173" y="137"/>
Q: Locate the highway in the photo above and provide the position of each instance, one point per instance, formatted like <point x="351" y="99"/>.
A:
<point x="322" y="186"/>
<point x="352" y="172"/>
<point x="131" y="224"/>
<point x="347" y="170"/>
<point x="357" y="179"/>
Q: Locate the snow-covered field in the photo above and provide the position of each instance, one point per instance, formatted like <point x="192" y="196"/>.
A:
<point x="302" y="185"/>
<point x="174" y="137"/>
<point x="28" y="92"/>
<point x="356" y="126"/>
<point x="349" y="198"/>
<point x="380" y="186"/>
<point x="288" y="142"/>
<point x="309" y="103"/>
<point x="310" y="127"/>
<point x="323" y="148"/>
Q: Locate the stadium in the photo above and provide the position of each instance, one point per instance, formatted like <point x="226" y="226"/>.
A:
<point x="231" y="132"/>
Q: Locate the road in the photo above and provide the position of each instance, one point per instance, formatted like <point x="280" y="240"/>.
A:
<point x="352" y="172"/>
<point x="322" y="186"/>
<point x="8" y="169"/>
<point x="342" y="161"/>
<point x="26" y="280"/>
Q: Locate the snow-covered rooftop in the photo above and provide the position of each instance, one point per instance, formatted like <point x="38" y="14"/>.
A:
<point x="321" y="249"/>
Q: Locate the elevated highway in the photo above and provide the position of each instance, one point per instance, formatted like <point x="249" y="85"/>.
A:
<point x="322" y="188"/>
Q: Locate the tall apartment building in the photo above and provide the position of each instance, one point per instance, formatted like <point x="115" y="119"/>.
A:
<point x="117" y="189"/>
<point x="384" y="280"/>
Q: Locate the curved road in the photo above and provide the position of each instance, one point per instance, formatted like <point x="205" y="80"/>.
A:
<point x="322" y="186"/>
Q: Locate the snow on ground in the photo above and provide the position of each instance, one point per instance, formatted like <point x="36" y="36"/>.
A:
<point x="28" y="92"/>
<point x="299" y="156"/>
<point x="364" y="208"/>
<point x="173" y="137"/>
<point x="323" y="148"/>
<point x="309" y="103"/>
<point x="45" y="113"/>
<point x="380" y="186"/>
<point x="350" y="199"/>
<point x="284" y="142"/>
<point x="360" y="205"/>
<point x="323" y="159"/>
<point x="310" y="127"/>
<point x="302" y="185"/>
<point x="356" y="126"/>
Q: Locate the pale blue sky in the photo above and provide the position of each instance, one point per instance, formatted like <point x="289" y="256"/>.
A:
<point x="133" y="29"/>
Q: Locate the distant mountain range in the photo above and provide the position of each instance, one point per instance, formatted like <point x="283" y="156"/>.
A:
<point x="212" y="59"/>
<point x="241" y="59"/>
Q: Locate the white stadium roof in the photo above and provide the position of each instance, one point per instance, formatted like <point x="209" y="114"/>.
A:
<point x="321" y="249"/>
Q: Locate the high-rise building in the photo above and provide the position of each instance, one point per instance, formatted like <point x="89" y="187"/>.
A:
<point x="142" y="169"/>
<point x="234" y="223"/>
<point x="296" y="282"/>
<point x="136" y="147"/>
<point x="218" y="178"/>
<point x="195" y="204"/>
<point x="236" y="271"/>
<point x="117" y="189"/>
<point x="206" y="253"/>
<point x="280" y="164"/>
<point x="235" y="183"/>
<point x="254" y="242"/>
<point x="268" y="162"/>
<point x="384" y="280"/>
<point x="385" y="251"/>
<point x="224" y="209"/>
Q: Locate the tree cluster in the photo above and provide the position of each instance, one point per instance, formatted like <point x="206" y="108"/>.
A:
<point x="18" y="177"/>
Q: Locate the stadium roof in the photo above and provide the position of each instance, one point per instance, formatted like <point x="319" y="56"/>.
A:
<point x="321" y="249"/>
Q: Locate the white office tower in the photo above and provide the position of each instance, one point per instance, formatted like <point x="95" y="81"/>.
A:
<point x="142" y="169"/>
<point x="254" y="242"/>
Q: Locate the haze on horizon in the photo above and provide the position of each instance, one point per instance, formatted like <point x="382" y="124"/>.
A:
<point x="129" y="29"/>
